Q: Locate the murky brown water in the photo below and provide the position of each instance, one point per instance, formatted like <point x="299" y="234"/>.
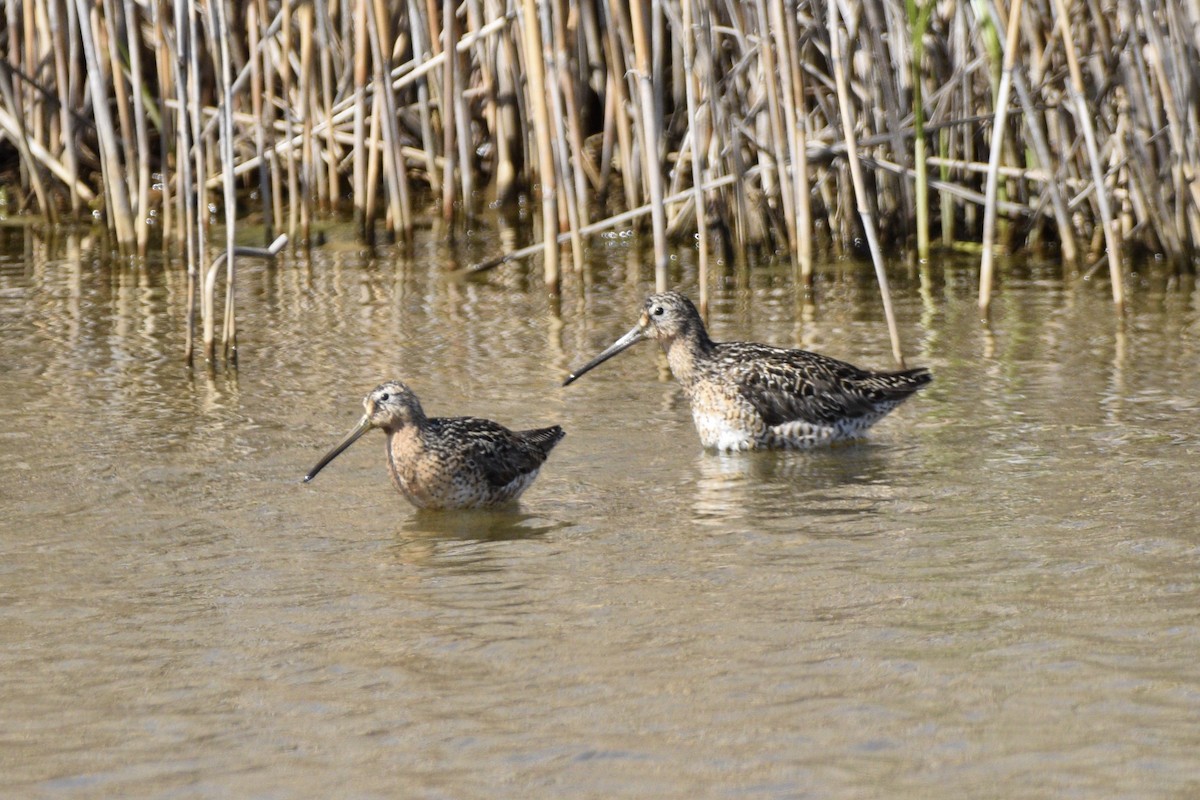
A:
<point x="997" y="596"/>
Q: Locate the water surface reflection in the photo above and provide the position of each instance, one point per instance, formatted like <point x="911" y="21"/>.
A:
<point x="997" y="589"/>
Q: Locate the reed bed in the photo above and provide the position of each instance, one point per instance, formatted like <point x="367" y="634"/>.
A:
<point x="801" y="128"/>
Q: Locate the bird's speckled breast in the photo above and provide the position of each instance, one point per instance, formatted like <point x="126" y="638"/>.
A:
<point x="724" y="419"/>
<point x="439" y="478"/>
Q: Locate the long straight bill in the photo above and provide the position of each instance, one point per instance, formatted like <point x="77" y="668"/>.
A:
<point x="624" y="343"/>
<point x="362" y="427"/>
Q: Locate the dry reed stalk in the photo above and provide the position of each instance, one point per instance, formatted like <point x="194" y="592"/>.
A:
<point x="306" y="109"/>
<point x="395" y="176"/>
<point x="779" y="140"/>
<point x="333" y="152"/>
<point x="291" y="169"/>
<point x="166" y="125"/>
<point x="1083" y="119"/>
<point x="198" y="153"/>
<point x="787" y="39"/>
<point x="401" y="77"/>
<point x="257" y="110"/>
<point x="107" y="26"/>
<point x="536" y="94"/>
<point x="38" y="120"/>
<point x="62" y="42"/>
<point x="1062" y="219"/>
<point x="185" y="191"/>
<point x="267" y="122"/>
<point x="482" y="79"/>
<point x="421" y="62"/>
<point x="723" y="139"/>
<point x="572" y="92"/>
<point x="375" y="155"/>
<point x="359" y="181"/>
<point x="562" y="148"/>
<point x="17" y="131"/>
<point x="918" y="21"/>
<point x="20" y="53"/>
<point x="651" y="127"/>
<point x="697" y="127"/>
<point x="619" y="122"/>
<point x="746" y="228"/>
<point x="448" y="108"/>
<point x="958" y="191"/>
<point x="502" y="113"/>
<point x="998" y="127"/>
<point x="860" y="191"/>
<point x="219" y="28"/>
<point x="1181" y="117"/>
<point x="462" y="119"/>
<point x="141" y="133"/>
<point x="120" y="214"/>
<point x="38" y="153"/>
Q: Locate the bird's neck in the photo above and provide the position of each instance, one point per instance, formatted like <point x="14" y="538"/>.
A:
<point x="685" y="352"/>
<point x="405" y="442"/>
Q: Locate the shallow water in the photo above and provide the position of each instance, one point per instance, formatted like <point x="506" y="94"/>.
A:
<point x="994" y="596"/>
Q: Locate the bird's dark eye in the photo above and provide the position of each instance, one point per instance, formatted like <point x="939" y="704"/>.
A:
<point x="383" y="398"/>
<point x="657" y="311"/>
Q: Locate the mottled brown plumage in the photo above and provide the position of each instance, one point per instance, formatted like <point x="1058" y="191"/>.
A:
<point x="448" y="462"/>
<point x="748" y="396"/>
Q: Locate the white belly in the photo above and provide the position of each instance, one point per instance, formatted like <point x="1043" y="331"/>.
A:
<point x="717" y="433"/>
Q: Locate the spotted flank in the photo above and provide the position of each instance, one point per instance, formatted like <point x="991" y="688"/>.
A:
<point x="747" y="396"/>
<point x="449" y="462"/>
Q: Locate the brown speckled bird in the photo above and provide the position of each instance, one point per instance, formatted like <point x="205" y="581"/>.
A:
<point x="448" y="462"/>
<point x="748" y="396"/>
